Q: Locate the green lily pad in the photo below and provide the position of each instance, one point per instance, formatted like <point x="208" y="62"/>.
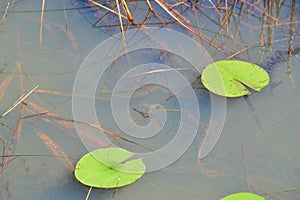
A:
<point x="108" y="168"/>
<point x="229" y="77"/>
<point x="243" y="196"/>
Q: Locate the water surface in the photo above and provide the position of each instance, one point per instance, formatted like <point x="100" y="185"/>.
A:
<point x="256" y="153"/>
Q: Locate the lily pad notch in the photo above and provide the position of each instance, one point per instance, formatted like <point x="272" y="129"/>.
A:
<point x="229" y="77"/>
<point x="108" y="168"/>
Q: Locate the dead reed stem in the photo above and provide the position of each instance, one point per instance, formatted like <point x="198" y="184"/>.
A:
<point x="3" y="19"/>
<point x="41" y="22"/>
<point x="106" y="8"/>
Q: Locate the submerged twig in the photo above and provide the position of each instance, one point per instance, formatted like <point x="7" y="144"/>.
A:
<point x="282" y="191"/>
<point x="166" y="7"/>
<point x="143" y="114"/>
<point x="262" y="12"/>
<point x="252" y="109"/>
<point x="16" y="132"/>
<point x="48" y="115"/>
<point x="65" y="27"/>
<point x="120" y="20"/>
<point x="3" y="151"/>
<point x="245" y="166"/>
<point x="55" y="149"/>
<point x="5" y="83"/>
<point x="10" y="149"/>
<point x="291" y="47"/>
<point x="36" y="155"/>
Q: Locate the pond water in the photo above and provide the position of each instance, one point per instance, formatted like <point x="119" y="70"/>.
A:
<point x="258" y="150"/>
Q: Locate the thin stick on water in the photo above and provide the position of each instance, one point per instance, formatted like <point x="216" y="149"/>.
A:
<point x="3" y="19"/>
<point x="120" y="19"/>
<point x="88" y="194"/>
<point x="129" y="16"/>
<point x="106" y="8"/>
<point x="18" y="101"/>
<point x="238" y="52"/>
<point x="214" y="6"/>
<point x="154" y="13"/>
<point x="41" y="22"/>
<point x="150" y="6"/>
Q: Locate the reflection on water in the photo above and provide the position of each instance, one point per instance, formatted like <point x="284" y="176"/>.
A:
<point x="41" y="130"/>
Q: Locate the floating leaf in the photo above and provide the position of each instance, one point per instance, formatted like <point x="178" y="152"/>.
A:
<point x="228" y="77"/>
<point x="108" y="168"/>
<point x="243" y="196"/>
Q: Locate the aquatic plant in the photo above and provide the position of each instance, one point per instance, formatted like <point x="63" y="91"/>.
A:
<point x="108" y="168"/>
<point x="228" y="77"/>
<point x="243" y="196"/>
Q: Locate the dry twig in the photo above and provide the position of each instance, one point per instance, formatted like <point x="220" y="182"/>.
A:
<point x="3" y="19"/>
